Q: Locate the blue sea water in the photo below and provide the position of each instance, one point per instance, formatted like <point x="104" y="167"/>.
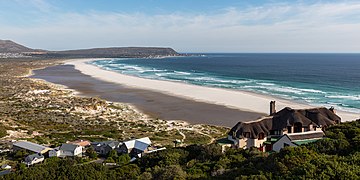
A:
<point x="316" y="79"/>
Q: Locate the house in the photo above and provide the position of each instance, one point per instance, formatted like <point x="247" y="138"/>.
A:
<point x="29" y="146"/>
<point x="34" y="159"/>
<point x="70" y="150"/>
<point x="135" y="147"/>
<point x="299" y="126"/>
<point x="103" y="148"/>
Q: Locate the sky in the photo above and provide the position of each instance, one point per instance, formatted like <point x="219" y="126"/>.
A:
<point x="186" y="25"/>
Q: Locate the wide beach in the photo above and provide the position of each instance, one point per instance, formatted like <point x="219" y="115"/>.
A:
<point x="169" y="100"/>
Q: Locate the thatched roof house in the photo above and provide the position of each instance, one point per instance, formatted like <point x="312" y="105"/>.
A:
<point x="291" y="120"/>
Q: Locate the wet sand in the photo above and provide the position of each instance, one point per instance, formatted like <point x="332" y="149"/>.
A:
<point x="155" y="104"/>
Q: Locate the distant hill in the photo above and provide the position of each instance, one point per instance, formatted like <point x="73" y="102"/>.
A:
<point x="117" y="52"/>
<point x="7" y="46"/>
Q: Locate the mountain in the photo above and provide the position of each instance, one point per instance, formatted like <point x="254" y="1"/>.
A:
<point x="7" y="46"/>
<point x="116" y="52"/>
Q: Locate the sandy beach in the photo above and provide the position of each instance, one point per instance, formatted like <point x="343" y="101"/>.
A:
<point x="164" y="99"/>
<point x="241" y="100"/>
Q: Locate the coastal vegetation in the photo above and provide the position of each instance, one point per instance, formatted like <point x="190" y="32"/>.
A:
<point x="335" y="157"/>
<point x="47" y="114"/>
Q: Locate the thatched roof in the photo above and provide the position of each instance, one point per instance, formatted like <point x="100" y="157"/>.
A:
<point x="284" y="118"/>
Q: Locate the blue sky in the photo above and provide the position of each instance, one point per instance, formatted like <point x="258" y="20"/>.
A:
<point x="187" y="26"/>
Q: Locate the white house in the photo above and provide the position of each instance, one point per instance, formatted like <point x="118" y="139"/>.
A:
<point x="33" y="159"/>
<point x="135" y="147"/>
<point x="68" y="150"/>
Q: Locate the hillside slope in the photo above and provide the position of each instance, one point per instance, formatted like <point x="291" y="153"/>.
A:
<point x="7" y="46"/>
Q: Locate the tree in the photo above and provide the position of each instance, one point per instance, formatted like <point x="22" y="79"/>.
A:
<point x="172" y="172"/>
<point x="113" y="154"/>
<point x="20" y="154"/>
<point x="91" y="152"/>
<point x="123" y="159"/>
<point x="3" y="132"/>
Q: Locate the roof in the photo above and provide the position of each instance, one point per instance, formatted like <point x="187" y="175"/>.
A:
<point x="82" y="143"/>
<point x="284" y="118"/>
<point x="112" y="144"/>
<point x="306" y="141"/>
<point x="224" y="141"/>
<point x="130" y="144"/>
<point x="32" y="157"/>
<point x="68" y="147"/>
<point x="145" y="140"/>
<point x="140" y="144"/>
<point x="30" y="146"/>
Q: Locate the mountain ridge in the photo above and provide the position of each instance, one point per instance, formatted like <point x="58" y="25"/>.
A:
<point x="8" y="46"/>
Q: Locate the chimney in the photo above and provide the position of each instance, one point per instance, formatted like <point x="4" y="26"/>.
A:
<point x="272" y="108"/>
<point x="332" y="109"/>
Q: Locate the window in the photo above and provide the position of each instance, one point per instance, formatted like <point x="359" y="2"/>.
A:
<point x="261" y="136"/>
<point x="289" y="129"/>
<point x="297" y="127"/>
<point x="275" y="132"/>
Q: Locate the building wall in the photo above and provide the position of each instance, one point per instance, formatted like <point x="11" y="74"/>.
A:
<point x="250" y="142"/>
<point x="78" y="151"/>
<point x="259" y="143"/>
<point x="242" y="143"/>
<point x="66" y="153"/>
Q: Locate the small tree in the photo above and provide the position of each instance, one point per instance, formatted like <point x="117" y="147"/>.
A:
<point x="113" y="154"/>
<point x="123" y="159"/>
<point x="3" y="132"/>
<point x="91" y="152"/>
<point x="19" y="155"/>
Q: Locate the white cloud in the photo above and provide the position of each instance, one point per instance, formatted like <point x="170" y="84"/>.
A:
<point x="319" y="27"/>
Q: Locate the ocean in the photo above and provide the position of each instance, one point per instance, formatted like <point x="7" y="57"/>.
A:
<point x="315" y="79"/>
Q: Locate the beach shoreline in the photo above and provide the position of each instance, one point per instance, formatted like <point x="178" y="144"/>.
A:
<point x="236" y="99"/>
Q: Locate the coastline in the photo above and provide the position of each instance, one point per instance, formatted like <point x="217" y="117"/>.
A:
<point x="156" y="105"/>
<point x="40" y="110"/>
<point x="241" y="100"/>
